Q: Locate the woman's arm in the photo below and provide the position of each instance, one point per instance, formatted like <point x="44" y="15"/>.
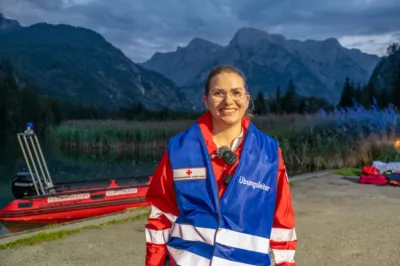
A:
<point x="164" y="211"/>
<point x="283" y="235"/>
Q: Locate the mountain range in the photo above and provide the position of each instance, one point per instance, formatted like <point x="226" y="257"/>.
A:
<point x="318" y="68"/>
<point x="77" y="63"/>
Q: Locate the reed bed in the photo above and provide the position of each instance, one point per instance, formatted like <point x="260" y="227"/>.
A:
<point x="343" y="138"/>
<point x="116" y="135"/>
<point x="119" y="135"/>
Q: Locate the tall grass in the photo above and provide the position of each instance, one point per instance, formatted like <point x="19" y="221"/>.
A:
<point x="132" y="136"/>
<point x="116" y="136"/>
<point x="350" y="137"/>
<point x="343" y="138"/>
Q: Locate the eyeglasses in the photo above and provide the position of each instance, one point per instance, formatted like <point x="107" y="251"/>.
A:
<point x="219" y="95"/>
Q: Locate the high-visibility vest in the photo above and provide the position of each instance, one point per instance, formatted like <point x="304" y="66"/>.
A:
<point x="235" y="229"/>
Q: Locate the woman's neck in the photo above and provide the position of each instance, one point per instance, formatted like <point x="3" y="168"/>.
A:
<point x="224" y="135"/>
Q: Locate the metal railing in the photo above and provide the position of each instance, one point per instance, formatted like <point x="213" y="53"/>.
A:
<point x="35" y="161"/>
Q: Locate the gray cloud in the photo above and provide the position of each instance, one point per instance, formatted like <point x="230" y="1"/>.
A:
<point x="142" y="27"/>
<point x="321" y="19"/>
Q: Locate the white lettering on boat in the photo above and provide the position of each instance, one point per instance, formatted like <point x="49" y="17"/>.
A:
<point x="254" y="185"/>
<point x="69" y="197"/>
<point x="121" y="192"/>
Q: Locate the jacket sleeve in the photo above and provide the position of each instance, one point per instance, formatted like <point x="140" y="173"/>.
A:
<point x="283" y="234"/>
<point x="164" y="211"/>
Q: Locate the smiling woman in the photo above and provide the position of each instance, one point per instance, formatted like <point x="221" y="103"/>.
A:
<point x="227" y="99"/>
<point x="213" y="171"/>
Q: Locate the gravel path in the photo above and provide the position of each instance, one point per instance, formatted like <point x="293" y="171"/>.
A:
<point x="339" y="222"/>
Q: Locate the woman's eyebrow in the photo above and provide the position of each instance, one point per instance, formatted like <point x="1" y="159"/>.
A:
<point x="234" y="88"/>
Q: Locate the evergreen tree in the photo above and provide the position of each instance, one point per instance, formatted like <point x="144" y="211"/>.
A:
<point x="303" y="106"/>
<point x="289" y="101"/>
<point x="368" y="94"/>
<point x="278" y="99"/>
<point x="275" y="103"/>
<point x="395" y="88"/>
<point x="358" y="93"/>
<point x="383" y="98"/>
<point x="259" y="104"/>
<point x="348" y="94"/>
<point x="393" y="48"/>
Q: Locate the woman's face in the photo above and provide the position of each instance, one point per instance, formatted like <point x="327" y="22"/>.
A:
<point x="227" y="100"/>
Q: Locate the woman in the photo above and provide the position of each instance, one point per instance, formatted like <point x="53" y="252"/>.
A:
<point x="207" y="207"/>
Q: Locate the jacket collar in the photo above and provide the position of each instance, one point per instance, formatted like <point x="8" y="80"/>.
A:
<point x="205" y="124"/>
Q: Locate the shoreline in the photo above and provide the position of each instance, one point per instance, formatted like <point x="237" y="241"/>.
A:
<point x="57" y="231"/>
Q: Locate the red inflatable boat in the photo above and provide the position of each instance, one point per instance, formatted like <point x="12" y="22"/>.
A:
<point x="75" y="200"/>
<point x="38" y="200"/>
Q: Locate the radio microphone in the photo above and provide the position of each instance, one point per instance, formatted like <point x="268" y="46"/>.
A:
<point x="227" y="155"/>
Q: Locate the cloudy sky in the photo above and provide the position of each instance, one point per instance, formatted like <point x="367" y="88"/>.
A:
<point x="141" y="27"/>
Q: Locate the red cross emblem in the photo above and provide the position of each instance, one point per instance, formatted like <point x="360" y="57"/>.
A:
<point x="189" y="172"/>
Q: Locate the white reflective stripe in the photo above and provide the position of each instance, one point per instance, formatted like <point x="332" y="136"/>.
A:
<point x="186" y="258"/>
<point x="217" y="261"/>
<point x="157" y="236"/>
<point x="243" y="241"/>
<point x="156" y="212"/>
<point x="283" y="255"/>
<point x="191" y="233"/>
<point x="280" y="234"/>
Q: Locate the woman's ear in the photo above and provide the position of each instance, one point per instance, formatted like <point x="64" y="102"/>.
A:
<point x="247" y="100"/>
<point x="205" y="102"/>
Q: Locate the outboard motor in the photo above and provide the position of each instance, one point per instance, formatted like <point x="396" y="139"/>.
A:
<point x="22" y="186"/>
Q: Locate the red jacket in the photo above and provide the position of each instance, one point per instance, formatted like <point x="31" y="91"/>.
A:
<point x="161" y="196"/>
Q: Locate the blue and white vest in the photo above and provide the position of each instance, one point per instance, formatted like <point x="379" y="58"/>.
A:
<point x="235" y="229"/>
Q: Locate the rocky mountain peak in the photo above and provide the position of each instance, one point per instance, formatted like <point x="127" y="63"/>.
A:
<point x="199" y="43"/>
<point x="6" y="24"/>
<point x="248" y="35"/>
<point x="331" y="43"/>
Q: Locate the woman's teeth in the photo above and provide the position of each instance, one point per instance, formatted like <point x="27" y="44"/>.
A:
<point x="228" y="111"/>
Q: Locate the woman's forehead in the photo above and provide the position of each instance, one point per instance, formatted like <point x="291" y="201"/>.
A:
<point x="227" y="81"/>
<point x="224" y="88"/>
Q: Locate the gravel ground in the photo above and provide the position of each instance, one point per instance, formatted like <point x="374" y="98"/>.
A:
<point x="339" y="222"/>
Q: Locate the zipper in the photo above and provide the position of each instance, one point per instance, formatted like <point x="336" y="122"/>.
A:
<point x="200" y="136"/>
<point x="216" y="231"/>
<point x="234" y="174"/>
<point x="219" y="211"/>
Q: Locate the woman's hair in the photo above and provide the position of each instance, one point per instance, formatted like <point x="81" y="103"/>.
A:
<point x="228" y="69"/>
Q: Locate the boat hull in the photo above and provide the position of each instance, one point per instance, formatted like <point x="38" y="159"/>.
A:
<point x="69" y="205"/>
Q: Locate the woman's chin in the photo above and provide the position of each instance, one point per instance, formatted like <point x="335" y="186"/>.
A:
<point x="230" y="119"/>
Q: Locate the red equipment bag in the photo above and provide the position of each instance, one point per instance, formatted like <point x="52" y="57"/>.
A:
<point x="370" y="170"/>
<point x="375" y="179"/>
<point x="371" y="175"/>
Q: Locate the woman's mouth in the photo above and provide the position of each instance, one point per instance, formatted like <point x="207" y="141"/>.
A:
<point x="228" y="110"/>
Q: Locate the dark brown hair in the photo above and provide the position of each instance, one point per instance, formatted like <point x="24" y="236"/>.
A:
<point x="227" y="69"/>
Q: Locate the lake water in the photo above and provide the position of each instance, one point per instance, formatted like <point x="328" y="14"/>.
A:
<point x="64" y="167"/>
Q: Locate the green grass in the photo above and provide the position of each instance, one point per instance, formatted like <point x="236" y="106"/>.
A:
<point x="349" y="171"/>
<point x="40" y="237"/>
<point x="51" y="236"/>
